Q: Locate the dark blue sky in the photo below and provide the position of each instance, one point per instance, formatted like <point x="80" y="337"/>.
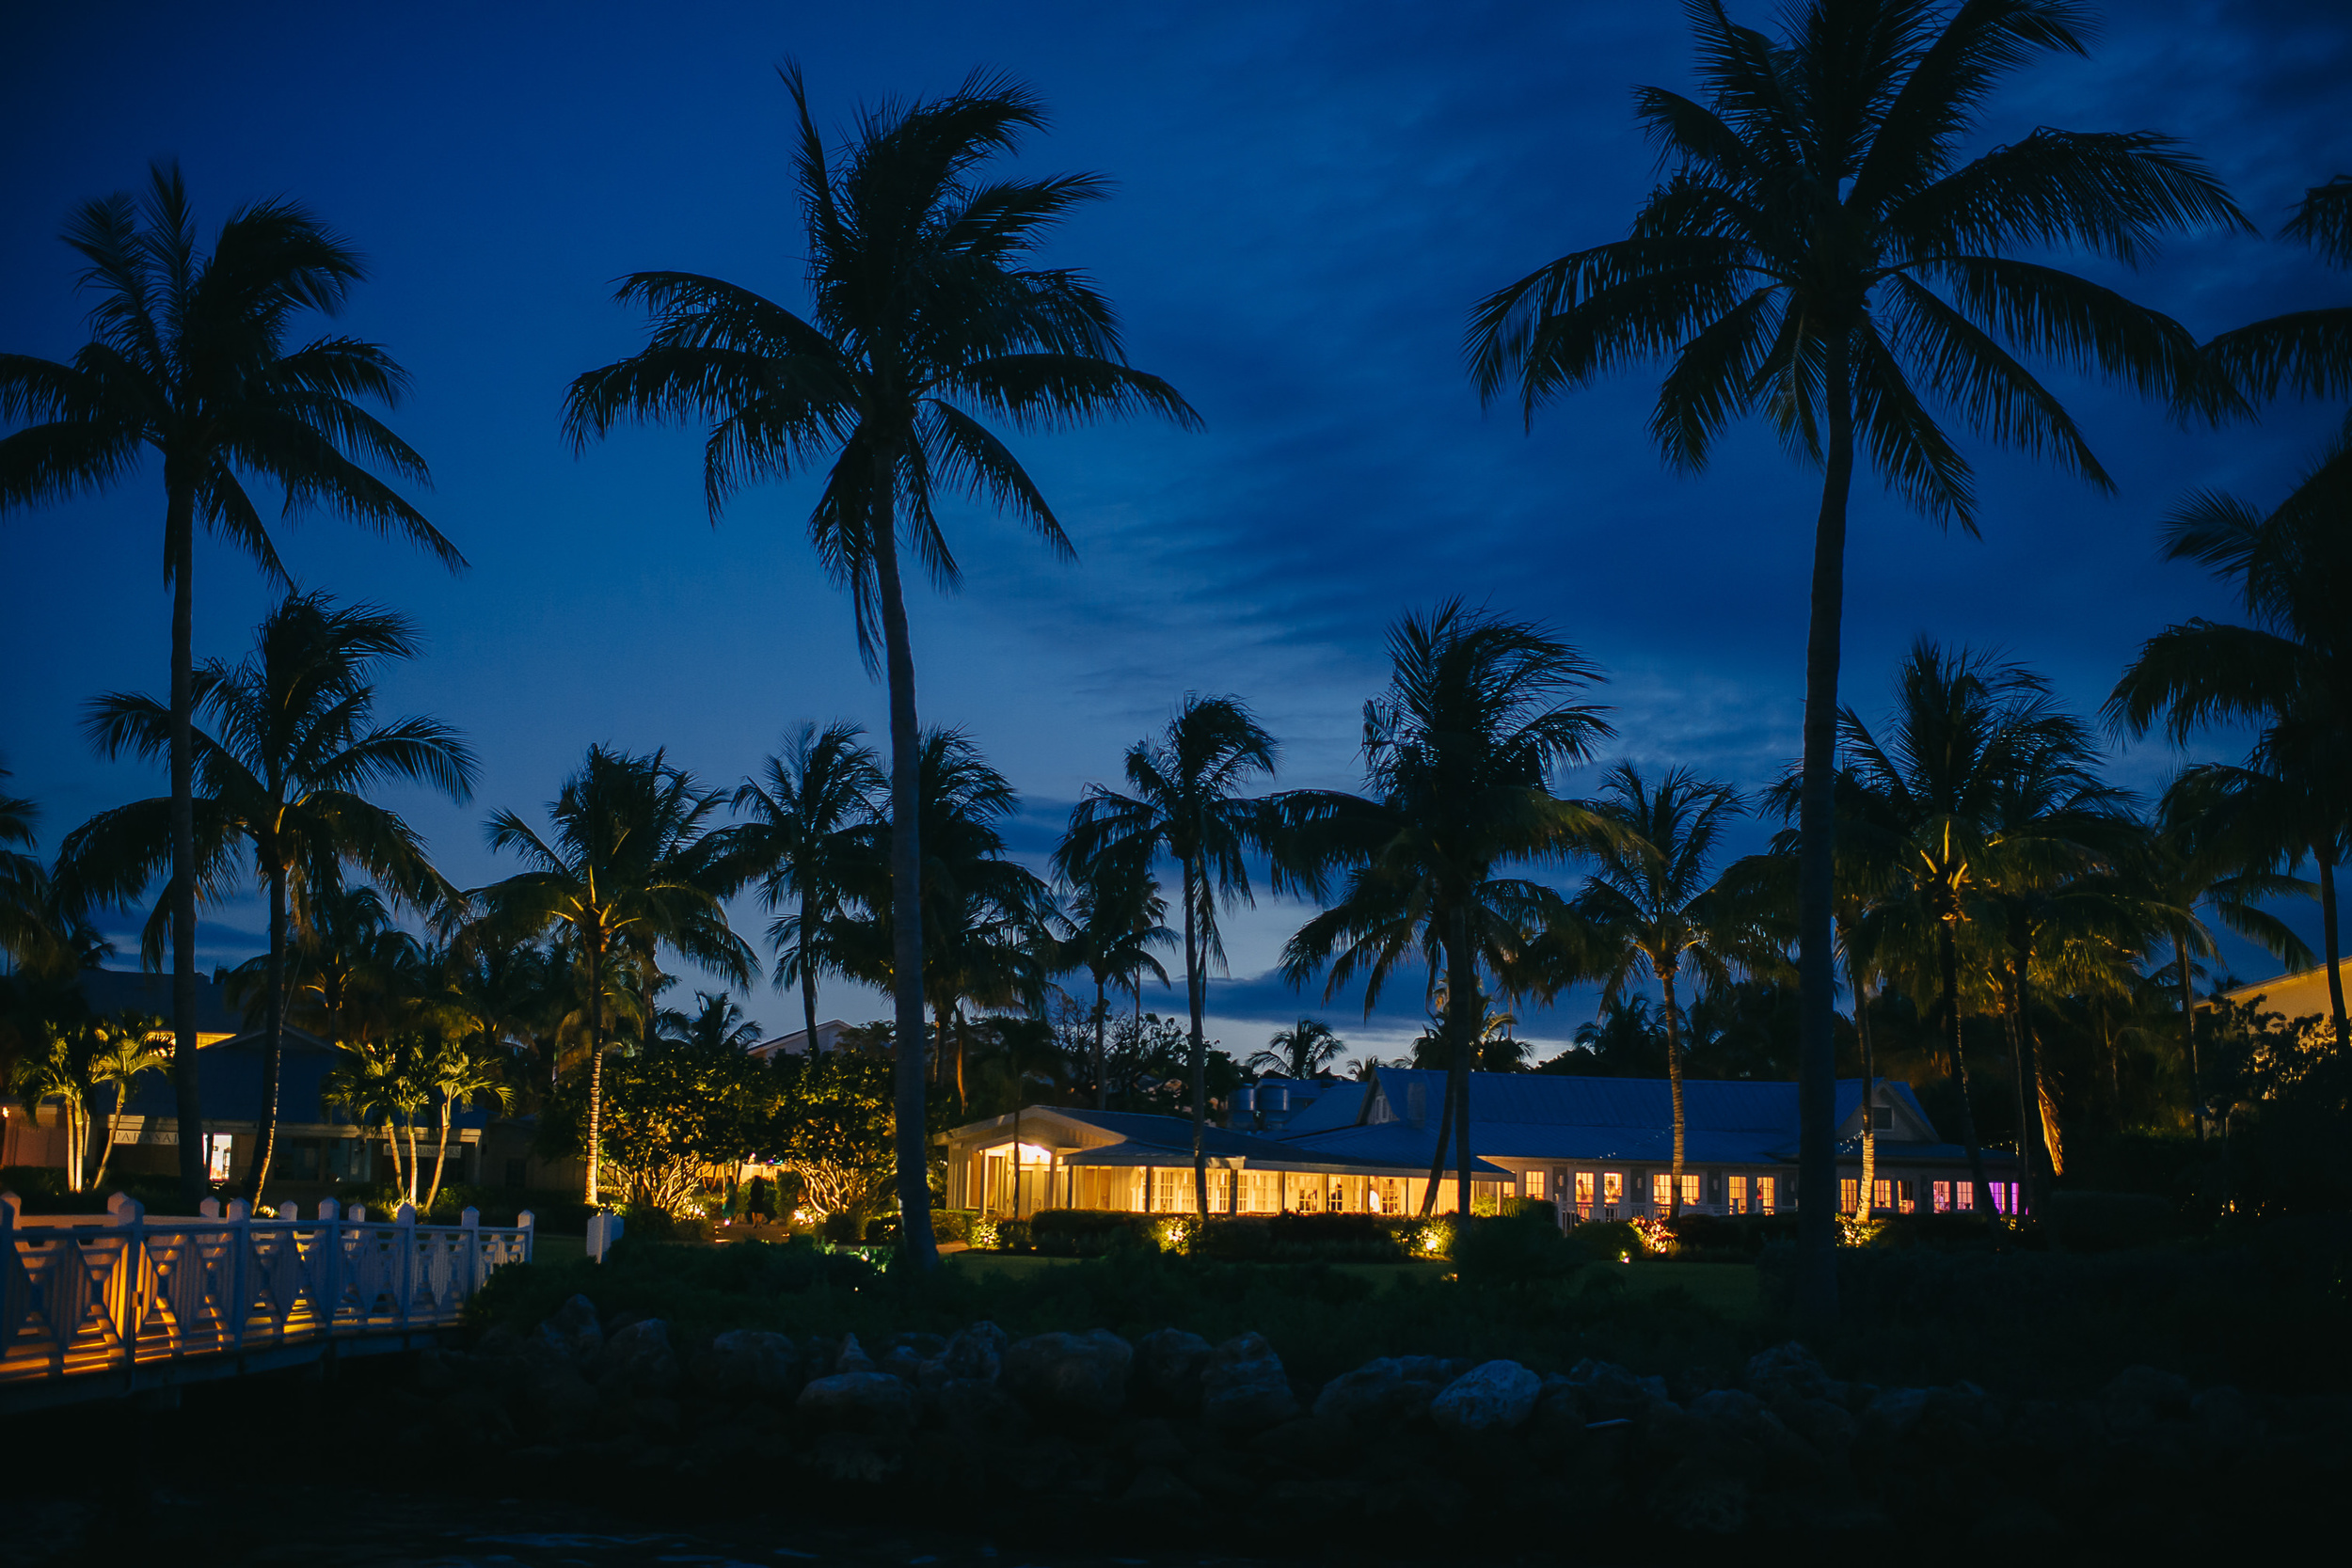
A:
<point x="1308" y="199"/>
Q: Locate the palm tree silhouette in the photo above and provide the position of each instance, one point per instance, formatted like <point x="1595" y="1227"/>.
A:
<point x="1113" y="914"/>
<point x="1183" y="802"/>
<point x="1299" y="1052"/>
<point x="282" y="773"/>
<point x="1820" y="254"/>
<point x="925" y="308"/>
<point x="625" y="868"/>
<point x="189" y="360"/>
<point x="1458" y="754"/>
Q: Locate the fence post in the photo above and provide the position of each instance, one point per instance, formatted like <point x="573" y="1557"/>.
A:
<point x="209" y="1209"/>
<point x="469" y="1222"/>
<point x="527" y="1223"/>
<point x="11" y="1268"/>
<point x="405" y="1219"/>
<point x="131" y="1215"/>
<point x="240" y="1248"/>
<point x="331" y="1270"/>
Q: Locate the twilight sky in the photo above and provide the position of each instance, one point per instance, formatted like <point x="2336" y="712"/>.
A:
<point x="1308" y="197"/>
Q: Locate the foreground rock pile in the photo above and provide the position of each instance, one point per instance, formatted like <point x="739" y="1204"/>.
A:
<point x="1218" y="1440"/>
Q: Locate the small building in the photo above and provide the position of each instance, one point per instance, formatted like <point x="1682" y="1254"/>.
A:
<point x="2301" y="995"/>
<point x="1065" y="1157"/>
<point x="796" y="1043"/>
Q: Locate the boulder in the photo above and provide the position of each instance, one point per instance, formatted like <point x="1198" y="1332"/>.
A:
<point x="976" y="1350"/>
<point x="1608" y="1392"/>
<point x="981" y="1413"/>
<point x="925" y="1346"/>
<point x="557" y="1398"/>
<point x="1701" y="1495"/>
<point x="1070" y="1374"/>
<point x="1786" y="1369"/>
<point x="2226" y="1416"/>
<point x="2139" y="1397"/>
<point x="906" y="1364"/>
<point x="1895" y="1413"/>
<point x="1499" y="1395"/>
<point x="1378" y="1393"/>
<point x="1152" y="1441"/>
<point x="851" y="1356"/>
<point x="639" y="1360"/>
<point x="572" y="1333"/>
<point x="1169" y="1364"/>
<point x="1244" y="1387"/>
<point x="870" y="1403"/>
<point x="748" y="1364"/>
<point x="1157" y="1488"/>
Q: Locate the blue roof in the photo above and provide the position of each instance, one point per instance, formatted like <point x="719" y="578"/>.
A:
<point x="229" y="1085"/>
<point x="1531" y="1116"/>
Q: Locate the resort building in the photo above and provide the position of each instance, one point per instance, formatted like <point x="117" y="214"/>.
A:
<point x="2301" y="995"/>
<point x="1601" y="1149"/>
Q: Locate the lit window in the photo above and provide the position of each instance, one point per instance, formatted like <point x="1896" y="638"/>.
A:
<point x="1735" y="1192"/>
<point x="1943" y="1194"/>
<point x="1848" y="1195"/>
<point x="1612" y="1188"/>
<point x="1963" y="1195"/>
<point x="217" y="1149"/>
<point x="1767" y="1193"/>
<point x="1584" y="1195"/>
<point x="1882" y="1193"/>
<point x="1531" y="1183"/>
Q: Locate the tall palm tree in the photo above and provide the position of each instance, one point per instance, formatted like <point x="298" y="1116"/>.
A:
<point x="282" y="772"/>
<point x="2288" y="671"/>
<point x="801" y="843"/>
<point x="1114" y="917"/>
<point x="459" y="1075"/>
<point x="1301" y="1051"/>
<point x="2309" y="352"/>
<point x="1821" y="254"/>
<point x="189" y="359"/>
<point x="1183" y="801"/>
<point x="1963" y="732"/>
<point x="132" y="1045"/>
<point x="624" y="867"/>
<point x="28" y="932"/>
<point x="716" y="1023"/>
<point x="382" y="1083"/>
<point x="926" y="307"/>
<point x="1458" y="755"/>
<point x="1653" y="907"/>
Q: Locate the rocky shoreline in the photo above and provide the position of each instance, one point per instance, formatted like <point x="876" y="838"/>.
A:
<point x="1087" y="1432"/>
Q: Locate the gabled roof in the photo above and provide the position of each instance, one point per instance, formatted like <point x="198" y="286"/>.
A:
<point x="796" y="1043"/>
<point x="229" y="1079"/>
<point x="1529" y="1115"/>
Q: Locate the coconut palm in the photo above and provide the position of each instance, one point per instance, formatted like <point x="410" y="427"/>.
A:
<point x="189" y="360"/>
<point x="2309" y="352"/>
<point x="624" y="868"/>
<point x="1114" y="914"/>
<point x="26" y="929"/>
<point x="802" y="843"/>
<point x="1819" y="253"/>
<point x="717" y="1022"/>
<point x="282" y="772"/>
<point x="926" y="309"/>
<point x="1963" y="732"/>
<point x="458" y="1074"/>
<point x="1183" y="801"/>
<point x="1299" y="1052"/>
<point x="1653" y="908"/>
<point x="382" y="1083"/>
<point x="131" y="1046"/>
<point x="1458" y="755"/>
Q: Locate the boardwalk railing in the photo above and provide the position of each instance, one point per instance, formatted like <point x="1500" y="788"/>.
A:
<point x="125" y="1292"/>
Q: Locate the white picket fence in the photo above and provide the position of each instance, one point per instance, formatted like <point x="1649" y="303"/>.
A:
<point x="125" y="1291"/>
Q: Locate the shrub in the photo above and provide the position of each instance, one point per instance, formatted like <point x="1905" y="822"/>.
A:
<point x="1542" y="1208"/>
<point x="1015" y="1236"/>
<point x="1091" y="1233"/>
<point x="881" y="1231"/>
<point x="2104" y="1222"/>
<point x="842" y="1228"/>
<point x="1608" y="1241"/>
<point x="648" y="1222"/>
<point x="954" y="1225"/>
<point x="1515" y="1250"/>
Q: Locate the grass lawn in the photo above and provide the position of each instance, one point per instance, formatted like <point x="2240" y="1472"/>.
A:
<point x="1729" y="1289"/>
<point x="555" y="1251"/>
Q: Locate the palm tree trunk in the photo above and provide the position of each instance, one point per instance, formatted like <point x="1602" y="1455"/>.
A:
<point x="1817" y="825"/>
<point x="1947" y="955"/>
<point x="1674" y="1088"/>
<point x="179" y="557"/>
<point x="2329" y="935"/>
<point x="1437" y="1160"/>
<point x="1200" y="1051"/>
<point x="1870" y="1082"/>
<point x="915" y="1241"/>
<point x="274" y="1026"/>
<point x="1461" y="984"/>
<point x="114" y="1124"/>
<point x="2030" y="1098"/>
<point x="595" y="1062"/>
<point x="1101" y="1015"/>
<point x="2188" y="1031"/>
<point x="440" y="1159"/>
<point x="808" y="973"/>
<point x="955" y="1017"/>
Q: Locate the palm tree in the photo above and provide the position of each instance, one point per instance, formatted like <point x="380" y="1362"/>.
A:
<point x="2289" y="671"/>
<point x="189" y="360"/>
<point x="717" y="1023"/>
<point x="26" y="928"/>
<point x="1183" y="803"/>
<point x="1652" y="906"/>
<point x="1299" y="1052"/>
<point x="1963" y="732"/>
<point x="382" y="1083"/>
<point x="925" y="308"/>
<point x="1114" y="918"/>
<point x="1821" y="254"/>
<point x="801" y="843"/>
<point x="1458" y="755"/>
<point x="624" y="867"/>
<point x="459" y="1076"/>
<point x="2308" y="352"/>
<point x="132" y="1046"/>
<point x="283" y="771"/>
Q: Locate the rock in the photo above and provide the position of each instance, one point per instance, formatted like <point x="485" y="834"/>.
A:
<point x="572" y="1333"/>
<point x="1608" y="1392"/>
<point x="557" y="1398"/>
<point x="639" y="1360"/>
<point x="872" y="1403"/>
<point x="1895" y="1413"/>
<point x="1169" y="1363"/>
<point x="474" y="1415"/>
<point x="978" y="1351"/>
<point x="852" y="1457"/>
<point x="906" y="1364"/>
<point x="1499" y="1395"/>
<point x="851" y="1356"/>
<point x="1378" y="1393"/>
<point x="1070" y="1374"/>
<point x="981" y="1413"/>
<point x="1244" y="1387"/>
<point x="2226" y="1416"/>
<point x="1156" y="1487"/>
<point x="1787" y="1368"/>
<point x="1281" y="1446"/>
<point x="657" y="1417"/>
<point x="1702" y="1496"/>
<point x="2139" y="1397"/>
<point x="2014" y="1521"/>
<point x="1152" y="1441"/>
<point x="1560" y="1408"/>
<point x="925" y="1346"/>
<point x="436" y="1375"/>
<point x="746" y="1364"/>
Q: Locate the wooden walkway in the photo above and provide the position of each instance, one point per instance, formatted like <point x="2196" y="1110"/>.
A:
<point x="99" y="1306"/>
